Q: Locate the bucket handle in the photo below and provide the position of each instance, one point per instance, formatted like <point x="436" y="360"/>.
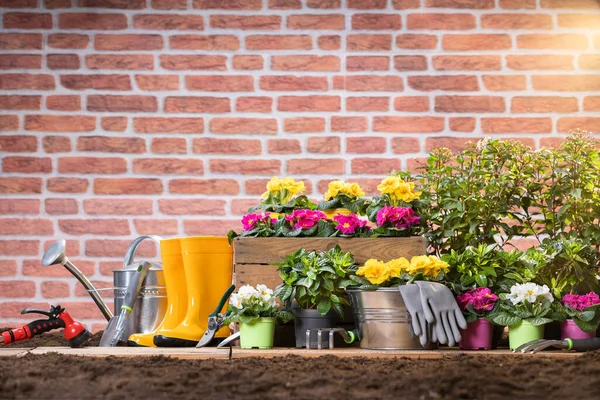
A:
<point x="130" y="254"/>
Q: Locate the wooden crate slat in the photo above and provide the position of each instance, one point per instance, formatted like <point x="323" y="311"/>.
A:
<point x="254" y="274"/>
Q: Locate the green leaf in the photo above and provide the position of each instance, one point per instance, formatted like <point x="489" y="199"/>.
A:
<point x="587" y="315"/>
<point x="539" y="321"/>
<point x="505" y="319"/>
<point x="324" y="306"/>
<point x="587" y="326"/>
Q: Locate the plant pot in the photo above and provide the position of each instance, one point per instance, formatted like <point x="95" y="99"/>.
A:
<point x="477" y="336"/>
<point x="258" y="333"/>
<point x="569" y="329"/>
<point x="524" y="332"/>
<point x="332" y="212"/>
<point x="311" y="319"/>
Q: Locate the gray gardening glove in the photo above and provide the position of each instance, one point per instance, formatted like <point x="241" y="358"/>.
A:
<point x="411" y="295"/>
<point x="440" y="308"/>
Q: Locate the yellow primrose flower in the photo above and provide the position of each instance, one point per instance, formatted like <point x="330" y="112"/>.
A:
<point x="333" y="188"/>
<point x="389" y="184"/>
<point x="375" y="271"/>
<point x="273" y="187"/>
<point x="397" y="266"/>
<point x="405" y="192"/>
<point x="437" y="266"/>
<point x="352" y="189"/>
<point x="418" y="264"/>
<point x="292" y="186"/>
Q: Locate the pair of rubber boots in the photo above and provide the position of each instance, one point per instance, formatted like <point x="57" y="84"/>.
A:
<point x="197" y="271"/>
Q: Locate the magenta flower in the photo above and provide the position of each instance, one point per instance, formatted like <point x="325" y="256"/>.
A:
<point x="348" y="224"/>
<point x="397" y="217"/>
<point x="249" y="221"/>
<point x="305" y="219"/>
<point x="580" y="302"/>
<point x="479" y="298"/>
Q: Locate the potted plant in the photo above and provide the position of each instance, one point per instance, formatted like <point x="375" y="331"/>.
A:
<point x="524" y="310"/>
<point x="578" y="315"/>
<point x="283" y="196"/>
<point x="476" y="305"/>
<point x="343" y="198"/>
<point x="257" y="312"/>
<point x="311" y="289"/>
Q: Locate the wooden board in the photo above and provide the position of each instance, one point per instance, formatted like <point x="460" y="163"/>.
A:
<point x="253" y="274"/>
<point x="183" y="353"/>
<point x="10" y="352"/>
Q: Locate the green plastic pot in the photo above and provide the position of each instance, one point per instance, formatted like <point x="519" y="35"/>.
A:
<point x="258" y="333"/>
<point x="524" y="332"/>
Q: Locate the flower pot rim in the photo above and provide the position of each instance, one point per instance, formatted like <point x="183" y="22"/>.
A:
<point x="383" y="289"/>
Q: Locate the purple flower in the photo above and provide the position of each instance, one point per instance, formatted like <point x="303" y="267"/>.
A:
<point x="348" y="224"/>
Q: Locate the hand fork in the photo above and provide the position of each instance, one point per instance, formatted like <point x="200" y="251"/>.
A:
<point x="535" y="346"/>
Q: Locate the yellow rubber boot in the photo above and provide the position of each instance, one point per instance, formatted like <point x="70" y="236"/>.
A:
<point x="170" y="250"/>
<point x="208" y="265"/>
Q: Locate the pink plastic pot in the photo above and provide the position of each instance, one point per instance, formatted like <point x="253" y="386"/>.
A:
<point x="568" y="329"/>
<point x="477" y="336"/>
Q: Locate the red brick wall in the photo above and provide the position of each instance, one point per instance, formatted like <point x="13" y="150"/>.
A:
<point x="128" y="117"/>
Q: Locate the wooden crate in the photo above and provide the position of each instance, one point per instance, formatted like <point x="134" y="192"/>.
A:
<point x="254" y="259"/>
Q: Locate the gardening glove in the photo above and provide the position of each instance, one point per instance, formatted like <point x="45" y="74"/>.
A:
<point x="440" y="308"/>
<point x="411" y="295"/>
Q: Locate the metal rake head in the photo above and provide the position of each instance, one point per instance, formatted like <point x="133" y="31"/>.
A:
<point x="535" y="346"/>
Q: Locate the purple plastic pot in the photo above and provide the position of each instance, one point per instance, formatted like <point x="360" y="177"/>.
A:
<point x="568" y="329"/>
<point x="477" y="336"/>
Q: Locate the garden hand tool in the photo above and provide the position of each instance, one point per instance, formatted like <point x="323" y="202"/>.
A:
<point x="56" y="255"/>
<point x="411" y="295"/>
<point x="116" y="326"/>
<point x="228" y="340"/>
<point x="535" y="346"/>
<point x="348" y="336"/>
<point x="75" y="333"/>
<point x="215" y="319"/>
<point x="440" y="307"/>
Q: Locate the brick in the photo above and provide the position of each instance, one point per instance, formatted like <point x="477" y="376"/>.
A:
<point x="376" y="21"/>
<point x="473" y="4"/>
<point x="127" y="186"/>
<point x="211" y="227"/>
<point x="116" y="248"/>
<point x="517" y="21"/>
<point x="193" y="62"/>
<point x="476" y="42"/>
<point x="114" y="103"/>
<point x="527" y="62"/>
<point x="544" y="104"/>
<point x="254" y="104"/>
<point x="197" y="104"/>
<point x="591" y="103"/>
<point x="59" y="123"/>
<point x="305" y="63"/>
<point x="246" y="22"/>
<point x="169" y="22"/>
<point x="367" y="104"/>
<point x="462" y="124"/>
<point x="367" y="63"/>
<point x="402" y="145"/>
<point x="469" y="104"/>
<point x="452" y="143"/>
<point x="97" y="206"/>
<point x="19" y="3"/>
<point x="505" y="82"/>
<point x="220" y="83"/>
<point x="323" y="4"/>
<point x="578" y="4"/>
<point x="410" y="63"/>
<point x="426" y="21"/>
<point x="236" y="125"/>
<point x="339" y="82"/>
<point x="67" y="185"/>
<point x="14" y="289"/>
<point x="411" y="104"/>
<point x="579" y="21"/>
<point x="9" y="123"/>
<point x="68" y="41"/>
<point x="226" y="146"/>
<point x="367" y="42"/>
<point x="92" y="165"/>
<point x="367" y="4"/>
<point x="169" y="145"/>
<point x="120" y="4"/>
<point x="238" y="207"/>
<point x="366" y="145"/>
<point x="247" y="62"/>
<point x="63" y="61"/>
<point x="56" y="144"/>
<point x="349" y="124"/>
<point x="228" y="5"/>
<point x="278" y="42"/>
<point x="304" y="125"/>
<point x="61" y="206"/>
<point x="55" y="289"/>
<point x="168" y="125"/>
<point x="109" y="144"/>
<point x="114" y="124"/>
<point x="96" y="82"/>
<point x="138" y="62"/>
<point x="516" y="125"/>
<point x="323" y="145"/>
<point x="168" y="166"/>
<point x="289" y="83"/>
<point x="25" y="226"/>
<point x="329" y="42"/>
<point x="25" y="20"/>
<point x="246" y="167"/>
<point x="163" y="227"/>
<point x="157" y="82"/>
<point x="8" y="267"/>
<point x="552" y="41"/>
<point x="566" y="83"/>
<point x="20" y="61"/>
<point x="21" y="41"/>
<point x="518" y="4"/>
<point x="416" y="42"/>
<point x="120" y="42"/>
<point x="27" y="165"/>
<point x="19" y="247"/>
<point x="591" y="124"/>
<point x="63" y="103"/>
<point x="92" y="21"/>
<point x="191" y="206"/>
<point x="316" y="166"/>
<point x="26" y="82"/>
<point x="408" y="124"/>
<point x="204" y="186"/>
<point x="316" y="22"/>
<point x="467" y="63"/>
<point x="308" y="103"/>
<point x="374" y="165"/>
<point x="170" y="4"/>
<point x="18" y="144"/>
<point x="19" y="206"/>
<point x="589" y="61"/>
<point x="359" y="83"/>
<point x="204" y="42"/>
<point x="284" y="146"/>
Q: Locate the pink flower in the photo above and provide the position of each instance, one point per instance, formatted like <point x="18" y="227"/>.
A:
<point x="580" y="302"/>
<point x="249" y="221"/>
<point x="304" y="219"/>
<point x="382" y="216"/>
<point x="479" y="298"/>
<point x="348" y="224"/>
<point x="464" y="299"/>
<point x="397" y="217"/>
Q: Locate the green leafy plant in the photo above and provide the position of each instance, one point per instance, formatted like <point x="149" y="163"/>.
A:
<point x="526" y="301"/>
<point x="250" y="304"/>
<point x="312" y="279"/>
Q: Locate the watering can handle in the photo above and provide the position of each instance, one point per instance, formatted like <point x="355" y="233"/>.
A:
<point x="130" y="254"/>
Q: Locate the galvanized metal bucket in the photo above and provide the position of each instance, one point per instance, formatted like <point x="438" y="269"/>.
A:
<point x="383" y="320"/>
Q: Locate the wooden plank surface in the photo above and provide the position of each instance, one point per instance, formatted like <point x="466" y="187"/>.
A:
<point x="13" y="352"/>
<point x="272" y="250"/>
<point x="253" y="274"/>
<point x="183" y="353"/>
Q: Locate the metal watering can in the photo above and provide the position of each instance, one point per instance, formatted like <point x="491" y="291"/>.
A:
<point x="151" y="302"/>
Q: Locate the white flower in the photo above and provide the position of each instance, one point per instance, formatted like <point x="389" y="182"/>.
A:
<point x="273" y="301"/>
<point x="265" y="293"/>
<point x="247" y="292"/>
<point x="235" y="300"/>
<point x="530" y="292"/>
